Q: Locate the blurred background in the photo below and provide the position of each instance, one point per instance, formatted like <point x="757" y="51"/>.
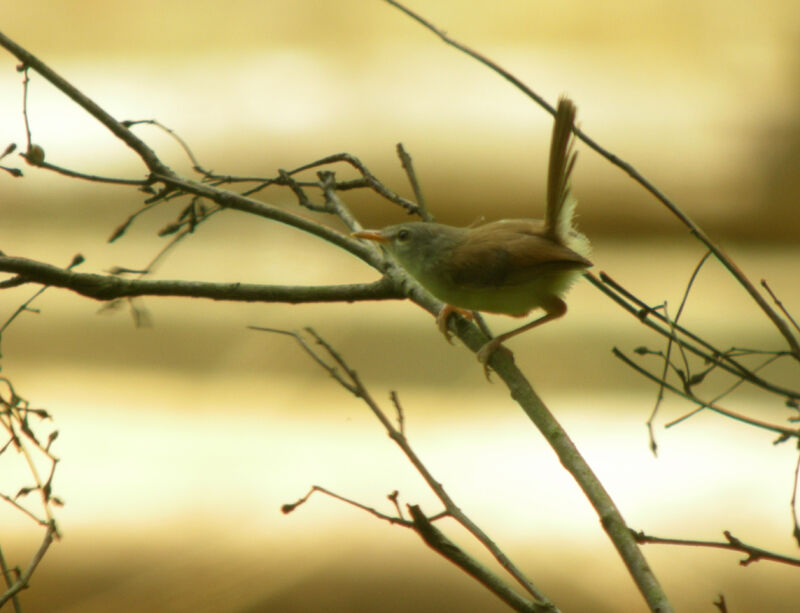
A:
<point x="180" y="441"/>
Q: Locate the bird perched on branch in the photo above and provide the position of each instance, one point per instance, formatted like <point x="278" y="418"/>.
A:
<point x="511" y="266"/>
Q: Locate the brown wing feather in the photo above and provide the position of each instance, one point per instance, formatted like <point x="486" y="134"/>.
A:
<point x="507" y="253"/>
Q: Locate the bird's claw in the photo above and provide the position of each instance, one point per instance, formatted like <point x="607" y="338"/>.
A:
<point x="444" y="315"/>
<point x="485" y="352"/>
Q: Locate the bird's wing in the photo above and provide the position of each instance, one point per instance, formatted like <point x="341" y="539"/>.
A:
<point x="507" y="253"/>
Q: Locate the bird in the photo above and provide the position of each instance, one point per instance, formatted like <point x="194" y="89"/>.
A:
<point x="509" y="266"/>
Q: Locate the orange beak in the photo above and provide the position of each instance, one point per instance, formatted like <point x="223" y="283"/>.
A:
<point x="371" y="235"/>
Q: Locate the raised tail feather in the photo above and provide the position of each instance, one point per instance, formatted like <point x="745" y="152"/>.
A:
<point x="560" y="204"/>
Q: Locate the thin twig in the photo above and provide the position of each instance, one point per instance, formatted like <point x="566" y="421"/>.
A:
<point x="408" y="166"/>
<point x="19" y="507"/>
<point x="645" y="313"/>
<point x="288" y="508"/>
<point x="9" y="581"/>
<point x="719" y="396"/>
<point x="779" y="304"/>
<point x="442" y="545"/>
<point x="348" y="378"/>
<point x="401" y="420"/>
<point x="367" y="175"/>
<point x="242" y="203"/>
<point x="25" y="83"/>
<point x="25" y="578"/>
<point x="115" y="127"/>
<point x="670" y="340"/>
<point x="785" y="432"/>
<point x="129" y="123"/>
<point x="754" y="554"/>
<point x="25" y="306"/>
<point x="793" y="502"/>
<point x="91" y="177"/>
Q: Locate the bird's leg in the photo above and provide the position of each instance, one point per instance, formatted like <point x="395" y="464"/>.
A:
<point x="554" y="309"/>
<point x="444" y="314"/>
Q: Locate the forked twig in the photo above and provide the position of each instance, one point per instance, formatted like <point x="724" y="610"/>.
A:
<point x="782" y="430"/>
<point x="696" y="345"/>
<point x="670" y="339"/>
<point x="24" y="579"/>
<point x="343" y="374"/>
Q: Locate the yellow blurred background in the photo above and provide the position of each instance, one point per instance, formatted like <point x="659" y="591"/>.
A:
<point x="179" y="442"/>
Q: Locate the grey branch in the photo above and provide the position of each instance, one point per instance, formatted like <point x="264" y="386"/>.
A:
<point x="110" y="287"/>
<point x="437" y="541"/>
<point x="23" y="581"/>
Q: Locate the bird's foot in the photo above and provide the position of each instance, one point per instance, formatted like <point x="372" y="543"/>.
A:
<point x="485" y="353"/>
<point x="444" y="314"/>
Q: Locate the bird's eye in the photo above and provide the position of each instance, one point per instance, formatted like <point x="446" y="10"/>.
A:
<point x="403" y="235"/>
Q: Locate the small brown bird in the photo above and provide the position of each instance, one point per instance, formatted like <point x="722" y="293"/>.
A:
<point x="509" y="266"/>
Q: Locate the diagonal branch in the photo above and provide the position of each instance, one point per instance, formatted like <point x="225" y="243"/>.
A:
<point x="703" y="349"/>
<point x="23" y="581"/>
<point x="437" y="541"/>
<point x="151" y="160"/>
<point x="238" y="202"/>
<point x="349" y="379"/>
<point x="783" y="431"/>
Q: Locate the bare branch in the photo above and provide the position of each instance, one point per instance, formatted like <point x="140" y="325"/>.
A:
<point x="288" y="508"/>
<point x="147" y="155"/>
<point x="754" y="554"/>
<point x="91" y="177"/>
<point x="239" y="202"/>
<point x="783" y="431"/>
<point x="645" y="314"/>
<point x="779" y="304"/>
<point x="22" y="582"/>
<point x="442" y="545"/>
<point x="110" y="287"/>
<point x="369" y="178"/>
<point x="670" y="340"/>
<point x="793" y="502"/>
<point x="351" y="381"/>
<point x="408" y="166"/>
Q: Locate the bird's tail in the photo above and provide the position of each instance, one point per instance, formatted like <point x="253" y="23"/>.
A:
<point x="559" y="225"/>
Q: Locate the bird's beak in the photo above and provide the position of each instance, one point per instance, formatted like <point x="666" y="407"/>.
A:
<point x="371" y="235"/>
